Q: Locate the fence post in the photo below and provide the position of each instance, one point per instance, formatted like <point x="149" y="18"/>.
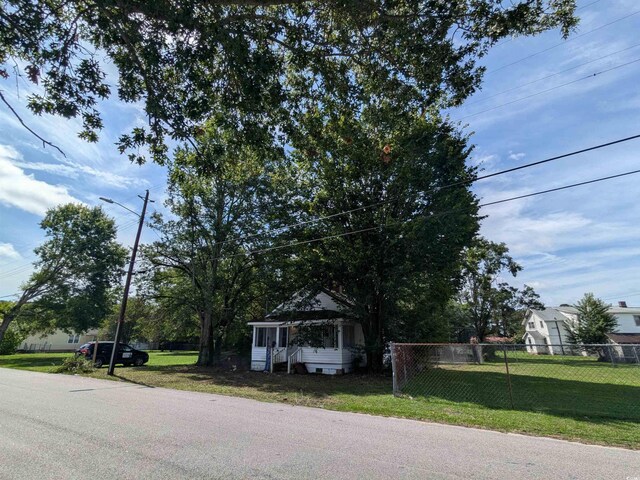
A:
<point x="506" y="364"/>
<point x="394" y="372"/>
<point x="611" y="356"/>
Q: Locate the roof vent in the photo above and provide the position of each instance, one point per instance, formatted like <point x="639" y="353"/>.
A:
<point x="622" y="304"/>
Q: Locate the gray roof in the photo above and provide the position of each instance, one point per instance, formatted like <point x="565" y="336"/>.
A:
<point x="632" y="338"/>
<point x="550" y="314"/>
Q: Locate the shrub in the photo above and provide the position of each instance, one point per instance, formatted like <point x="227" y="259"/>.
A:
<point x="76" y="364"/>
<point x="11" y="340"/>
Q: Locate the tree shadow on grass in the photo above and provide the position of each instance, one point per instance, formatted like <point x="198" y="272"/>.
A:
<point x="560" y="397"/>
<point x="564" y="361"/>
<point x="33" y="361"/>
<point x="314" y="385"/>
<point x="174" y="353"/>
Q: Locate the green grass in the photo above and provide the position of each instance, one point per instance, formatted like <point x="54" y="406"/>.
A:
<point x="571" y="398"/>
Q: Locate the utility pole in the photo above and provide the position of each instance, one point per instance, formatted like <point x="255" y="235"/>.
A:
<point x="127" y="284"/>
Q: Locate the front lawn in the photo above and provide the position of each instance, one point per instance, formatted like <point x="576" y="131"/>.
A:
<point x="372" y="394"/>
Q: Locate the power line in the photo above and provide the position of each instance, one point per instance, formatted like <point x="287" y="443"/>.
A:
<point x="450" y="185"/>
<point x="602" y="179"/>
<point x="377" y="227"/>
<point x="550" y="89"/>
<point x="551" y="75"/>
<point x="622" y="295"/>
<point x="558" y="157"/>
<point x="562" y="43"/>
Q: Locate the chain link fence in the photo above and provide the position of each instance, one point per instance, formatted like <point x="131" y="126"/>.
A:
<point x="583" y="381"/>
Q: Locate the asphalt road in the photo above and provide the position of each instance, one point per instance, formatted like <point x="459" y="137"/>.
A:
<point x="65" y="427"/>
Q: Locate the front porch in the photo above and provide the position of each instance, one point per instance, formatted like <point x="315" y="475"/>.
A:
<point x="275" y="346"/>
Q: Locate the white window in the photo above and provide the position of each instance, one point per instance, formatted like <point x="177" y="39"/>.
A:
<point x="541" y="324"/>
<point x="532" y="325"/>
<point x="74" y="338"/>
<point x="636" y="318"/>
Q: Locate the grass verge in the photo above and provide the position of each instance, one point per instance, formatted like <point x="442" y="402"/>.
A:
<point x="372" y="395"/>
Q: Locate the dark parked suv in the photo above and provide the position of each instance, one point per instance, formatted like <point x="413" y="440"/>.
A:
<point x="126" y="355"/>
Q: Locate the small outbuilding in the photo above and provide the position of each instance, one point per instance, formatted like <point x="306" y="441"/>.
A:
<point x="282" y="339"/>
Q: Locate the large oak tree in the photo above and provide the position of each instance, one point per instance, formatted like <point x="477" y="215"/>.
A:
<point x="386" y="210"/>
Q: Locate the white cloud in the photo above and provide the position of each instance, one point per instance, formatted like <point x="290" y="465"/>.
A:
<point x="517" y="156"/>
<point x="8" y="251"/>
<point x="75" y="170"/>
<point x="25" y="192"/>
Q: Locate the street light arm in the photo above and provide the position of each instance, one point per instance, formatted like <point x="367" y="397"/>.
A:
<point x="108" y="200"/>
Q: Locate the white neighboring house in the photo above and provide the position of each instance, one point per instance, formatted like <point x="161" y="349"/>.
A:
<point x="58" y="341"/>
<point x="547" y="331"/>
<point x="328" y="311"/>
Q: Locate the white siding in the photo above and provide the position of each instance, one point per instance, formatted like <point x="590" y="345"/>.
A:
<point x="57" y="341"/>
<point x="626" y="323"/>
<point x="329" y="360"/>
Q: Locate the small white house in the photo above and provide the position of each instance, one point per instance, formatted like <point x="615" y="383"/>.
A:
<point x="58" y="341"/>
<point x="275" y="340"/>
<point x="547" y="330"/>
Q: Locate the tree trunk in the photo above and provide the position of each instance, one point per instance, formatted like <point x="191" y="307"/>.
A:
<point x="205" y="355"/>
<point x="374" y="338"/>
<point x="6" y="321"/>
<point x="217" y="349"/>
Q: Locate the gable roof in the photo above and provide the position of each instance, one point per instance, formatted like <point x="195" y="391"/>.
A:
<point x="549" y="314"/>
<point x="325" y="304"/>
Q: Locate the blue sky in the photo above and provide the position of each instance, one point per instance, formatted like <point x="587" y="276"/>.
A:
<point x="580" y="240"/>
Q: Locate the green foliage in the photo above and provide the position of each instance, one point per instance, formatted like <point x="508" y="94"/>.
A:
<point x="594" y="322"/>
<point x="77" y="267"/>
<point x="488" y="303"/>
<point x="75" y="364"/>
<point x="149" y="320"/>
<point x="11" y="340"/>
<point x="258" y="62"/>
<point x="218" y="192"/>
<point x="396" y="251"/>
<point x="14" y="334"/>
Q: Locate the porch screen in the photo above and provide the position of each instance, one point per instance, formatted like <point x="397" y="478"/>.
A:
<point x="264" y="336"/>
<point x="330" y="336"/>
<point x="348" y="336"/>
<point x="283" y="337"/>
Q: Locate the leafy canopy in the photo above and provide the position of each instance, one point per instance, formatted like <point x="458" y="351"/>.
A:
<point x="594" y="321"/>
<point x="256" y="61"/>
<point x="404" y="184"/>
<point x="78" y="265"/>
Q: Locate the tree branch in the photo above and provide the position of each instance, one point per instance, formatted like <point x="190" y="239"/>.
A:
<point x="44" y="142"/>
